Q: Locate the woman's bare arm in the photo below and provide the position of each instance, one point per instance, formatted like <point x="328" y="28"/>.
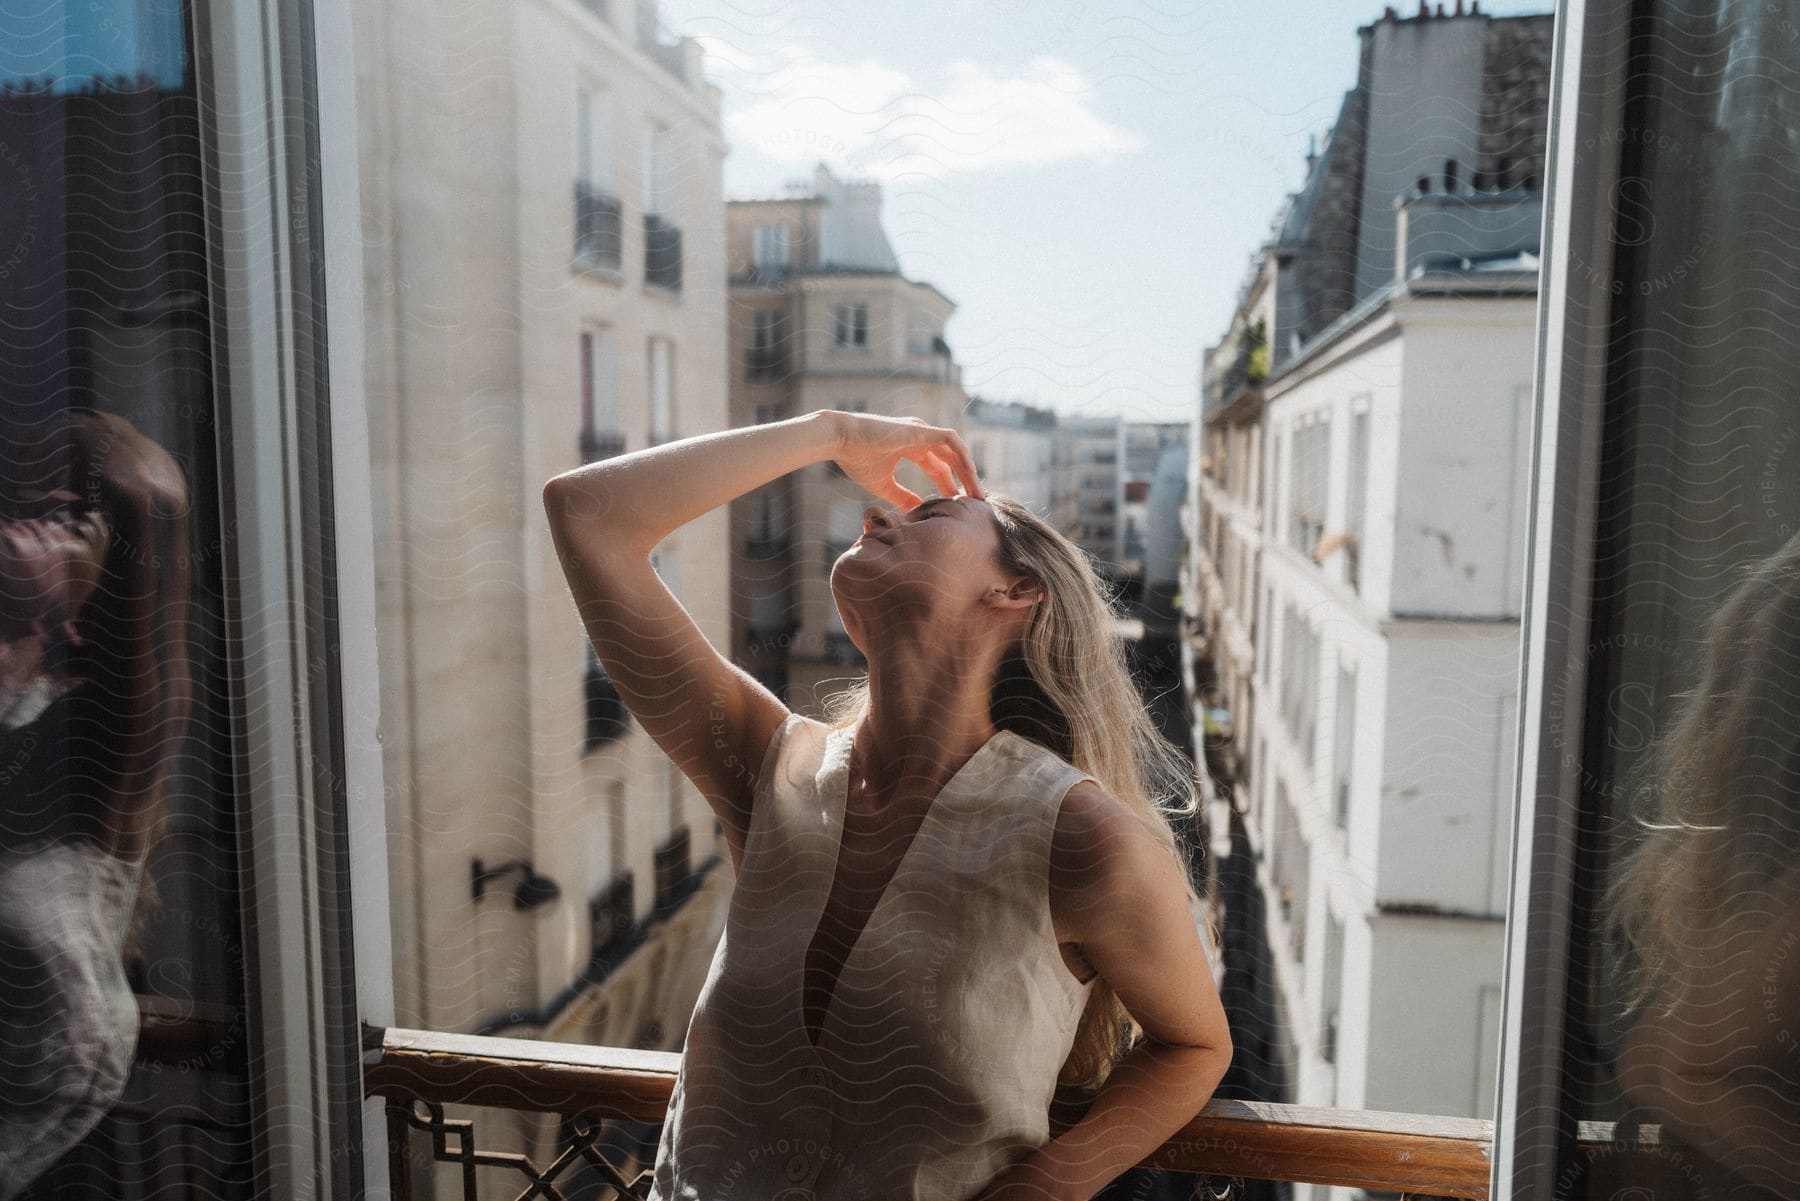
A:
<point x="1119" y="895"/>
<point x="709" y="716"/>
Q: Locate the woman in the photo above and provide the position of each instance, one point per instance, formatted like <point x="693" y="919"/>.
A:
<point x="1703" y="911"/>
<point x="94" y="690"/>
<point x="951" y="898"/>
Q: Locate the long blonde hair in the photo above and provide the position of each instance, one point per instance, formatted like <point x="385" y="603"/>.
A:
<point x="1716" y="800"/>
<point x="1067" y="685"/>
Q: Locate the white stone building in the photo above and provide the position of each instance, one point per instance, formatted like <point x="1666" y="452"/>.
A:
<point x="1353" y="590"/>
<point x="544" y="268"/>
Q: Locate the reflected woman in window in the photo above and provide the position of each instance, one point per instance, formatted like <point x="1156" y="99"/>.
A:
<point x="94" y="694"/>
<point x="1704" y="908"/>
<point x="961" y="891"/>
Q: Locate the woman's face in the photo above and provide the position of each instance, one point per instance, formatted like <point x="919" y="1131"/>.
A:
<point x="933" y="562"/>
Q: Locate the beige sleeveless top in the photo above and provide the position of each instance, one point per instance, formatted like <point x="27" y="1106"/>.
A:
<point x="939" y="1050"/>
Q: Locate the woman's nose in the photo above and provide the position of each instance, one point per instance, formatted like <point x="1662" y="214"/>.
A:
<point x="877" y="517"/>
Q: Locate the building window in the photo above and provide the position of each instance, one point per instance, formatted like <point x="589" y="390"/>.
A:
<point x="1334" y="990"/>
<point x="1356" y="503"/>
<point x="659" y="176"/>
<point x="1344" y="744"/>
<point x="1309" y="484"/>
<point x="662" y="390"/>
<point x="600" y="435"/>
<point x="850" y="326"/>
<point x="766" y="358"/>
<point x="599" y="228"/>
<point x="769" y="247"/>
<point x="662" y="235"/>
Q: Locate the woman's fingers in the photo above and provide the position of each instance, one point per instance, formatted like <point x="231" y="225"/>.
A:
<point x="958" y="455"/>
<point x="901" y="495"/>
<point x="937" y="466"/>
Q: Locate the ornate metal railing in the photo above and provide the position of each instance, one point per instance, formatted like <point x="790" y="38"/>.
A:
<point x="600" y="1092"/>
<point x="599" y="227"/>
<point x="1235" y="1141"/>
<point x="662" y="253"/>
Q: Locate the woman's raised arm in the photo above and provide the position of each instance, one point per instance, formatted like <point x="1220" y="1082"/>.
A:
<point x="709" y="716"/>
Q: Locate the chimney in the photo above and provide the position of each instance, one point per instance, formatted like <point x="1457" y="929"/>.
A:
<point x="1474" y="8"/>
<point x="1424" y="9"/>
<point x="1459" y="11"/>
<point x="1440" y="11"/>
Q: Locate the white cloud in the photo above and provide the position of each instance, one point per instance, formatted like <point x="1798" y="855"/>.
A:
<point x="874" y="121"/>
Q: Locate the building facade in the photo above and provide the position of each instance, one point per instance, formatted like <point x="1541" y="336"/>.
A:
<point x="544" y="266"/>
<point x="821" y="317"/>
<point x="1352" y="597"/>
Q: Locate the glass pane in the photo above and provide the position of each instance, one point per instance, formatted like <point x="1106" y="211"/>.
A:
<point x="1686" y="993"/>
<point x="119" y="783"/>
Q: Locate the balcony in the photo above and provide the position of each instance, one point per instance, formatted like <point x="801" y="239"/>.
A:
<point x="420" y="1072"/>
<point x="599" y="228"/>
<point x="662" y="253"/>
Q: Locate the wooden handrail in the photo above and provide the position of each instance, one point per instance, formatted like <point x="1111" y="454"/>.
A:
<point x="1372" y="1149"/>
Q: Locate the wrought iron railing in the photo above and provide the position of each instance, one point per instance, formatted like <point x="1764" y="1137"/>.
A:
<point x="599" y="227"/>
<point x="662" y="253"/>
<point x="600" y="1093"/>
<point x="420" y="1073"/>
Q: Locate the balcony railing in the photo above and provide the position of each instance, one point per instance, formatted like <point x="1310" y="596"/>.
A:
<point x="420" y="1072"/>
<point x="662" y="253"/>
<point x="599" y="228"/>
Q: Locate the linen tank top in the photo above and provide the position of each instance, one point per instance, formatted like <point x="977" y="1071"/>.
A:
<point x="939" y="1050"/>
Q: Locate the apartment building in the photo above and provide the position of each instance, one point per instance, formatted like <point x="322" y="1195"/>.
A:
<point x="1012" y="444"/>
<point x="1084" y="486"/>
<point x="544" y="272"/>
<point x="821" y="317"/>
<point x="1354" y="587"/>
<point x="1147" y="450"/>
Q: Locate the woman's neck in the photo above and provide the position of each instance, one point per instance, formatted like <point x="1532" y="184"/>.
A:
<point x="927" y="716"/>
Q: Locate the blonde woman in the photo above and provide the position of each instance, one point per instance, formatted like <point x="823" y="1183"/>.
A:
<point x="958" y="893"/>
<point x="1703" y="911"/>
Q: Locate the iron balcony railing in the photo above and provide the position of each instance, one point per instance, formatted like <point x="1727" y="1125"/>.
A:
<point x="607" y="1097"/>
<point x="599" y="228"/>
<point x="419" y="1073"/>
<point x="662" y="253"/>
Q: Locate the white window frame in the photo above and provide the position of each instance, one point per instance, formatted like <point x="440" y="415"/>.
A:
<point x="296" y="489"/>
<point x="1588" y="68"/>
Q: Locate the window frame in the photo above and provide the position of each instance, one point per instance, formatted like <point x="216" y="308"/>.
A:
<point x="1586" y="110"/>
<point x="295" y="483"/>
<point x="855" y="309"/>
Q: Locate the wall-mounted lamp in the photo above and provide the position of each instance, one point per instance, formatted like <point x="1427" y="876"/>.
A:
<point x="532" y="890"/>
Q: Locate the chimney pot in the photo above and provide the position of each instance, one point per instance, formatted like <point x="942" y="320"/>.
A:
<point x="1459" y="9"/>
<point x="1424" y="9"/>
<point x="1440" y="10"/>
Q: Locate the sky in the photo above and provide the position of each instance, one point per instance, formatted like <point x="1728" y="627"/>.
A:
<point x="1087" y="181"/>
